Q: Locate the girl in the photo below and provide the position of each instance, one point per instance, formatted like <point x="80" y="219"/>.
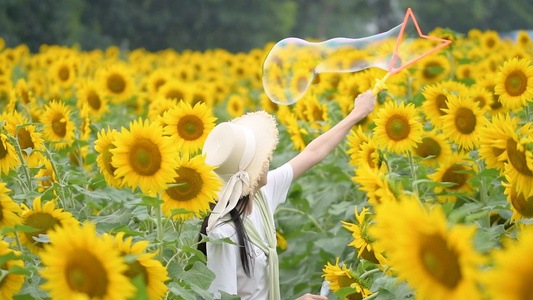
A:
<point x="241" y="151"/>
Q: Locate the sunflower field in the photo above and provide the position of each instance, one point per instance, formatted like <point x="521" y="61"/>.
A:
<point x="103" y="186"/>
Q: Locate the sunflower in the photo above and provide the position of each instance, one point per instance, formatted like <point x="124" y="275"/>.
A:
<point x="8" y="156"/>
<point x="434" y="149"/>
<point x="188" y="126"/>
<point x="369" y="155"/>
<point x="398" y="127"/>
<point x="521" y="206"/>
<point x="196" y="187"/>
<point x="143" y="157"/>
<point x="156" y="79"/>
<point x="11" y="283"/>
<point x="9" y="210"/>
<point x="375" y="183"/>
<point x="103" y="145"/>
<point x="235" y="106"/>
<point x="158" y="107"/>
<point x="493" y="139"/>
<point x="510" y="270"/>
<point x="342" y="277"/>
<point x="44" y="218"/>
<point x="523" y="39"/>
<point x="63" y="72"/>
<point x="28" y="138"/>
<point x="176" y="90"/>
<point x="481" y="96"/>
<point x="152" y="272"/>
<point x="432" y="69"/>
<point x="89" y="95"/>
<point x="454" y="170"/>
<point x="462" y="122"/>
<point x="116" y="83"/>
<point x="436" y="96"/>
<point x="517" y="168"/>
<point x="296" y="133"/>
<point x="495" y="106"/>
<point x="267" y="104"/>
<point x="58" y="127"/>
<point x="46" y="176"/>
<point x="362" y="241"/>
<point x="437" y="262"/>
<point x="356" y="138"/>
<point x="514" y="83"/>
<point x="490" y="41"/>
<point x="23" y="92"/>
<point x="315" y="112"/>
<point x="80" y="264"/>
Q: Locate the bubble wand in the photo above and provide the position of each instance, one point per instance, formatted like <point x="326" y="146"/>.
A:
<point x="292" y="64"/>
<point x="380" y="84"/>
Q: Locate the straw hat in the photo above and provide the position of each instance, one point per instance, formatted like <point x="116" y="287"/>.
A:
<point x="239" y="149"/>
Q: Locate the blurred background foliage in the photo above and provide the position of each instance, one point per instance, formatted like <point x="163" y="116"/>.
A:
<point x="237" y="25"/>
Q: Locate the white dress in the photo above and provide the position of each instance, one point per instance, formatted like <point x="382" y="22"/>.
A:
<point x="224" y="259"/>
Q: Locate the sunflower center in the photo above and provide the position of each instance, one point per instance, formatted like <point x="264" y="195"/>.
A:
<point x="440" y="261"/>
<point x="135" y="269"/>
<point x="523" y="205"/>
<point x="465" y="120"/>
<point x="428" y="147"/>
<point x="24" y="139"/>
<point x="41" y="221"/>
<point x="158" y="83"/>
<point x="86" y="274"/>
<point x="94" y="100"/>
<point x="441" y="101"/>
<point x="517" y="158"/>
<point x="190" y="185"/>
<point x="190" y="128"/>
<point x="301" y="84"/>
<point x="397" y="128"/>
<point x="25" y="97"/>
<point x="59" y="125"/>
<point x="432" y="70"/>
<point x="345" y="281"/>
<point x="317" y="113"/>
<point x="516" y="83"/>
<point x="64" y="74"/>
<point x="175" y="94"/>
<point x="371" y="158"/>
<point x="481" y="101"/>
<point x="451" y="175"/>
<point x="107" y="157"/>
<point x="3" y="149"/>
<point x="145" y="157"/>
<point x="116" y="83"/>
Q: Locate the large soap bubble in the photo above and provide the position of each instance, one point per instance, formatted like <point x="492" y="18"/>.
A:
<point x="293" y="63"/>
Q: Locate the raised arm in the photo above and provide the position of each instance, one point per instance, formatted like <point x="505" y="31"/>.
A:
<point x="320" y="147"/>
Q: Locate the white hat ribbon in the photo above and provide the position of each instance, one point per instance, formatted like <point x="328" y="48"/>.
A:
<point x="236" y="182"/>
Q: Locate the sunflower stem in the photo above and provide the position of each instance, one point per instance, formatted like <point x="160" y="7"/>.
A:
<point x="375" y="295"/>
<point x="25" y="167"/>
<point x="369" y="272"/>
<point x="159" y="229"/>
<point x="17" y="239"/>
<point x="413" y="173"/>
<point x="527" y="112"/>
<point x="63" y="197"/>
<point x="311" y="218"/>
<point x="483" y="187"/>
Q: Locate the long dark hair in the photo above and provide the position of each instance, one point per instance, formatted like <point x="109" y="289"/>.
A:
<point x="236" y="215"/>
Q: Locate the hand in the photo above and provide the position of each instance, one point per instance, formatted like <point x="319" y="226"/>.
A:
<point x="311" y="297"/>
<point x="365" y="103"/>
